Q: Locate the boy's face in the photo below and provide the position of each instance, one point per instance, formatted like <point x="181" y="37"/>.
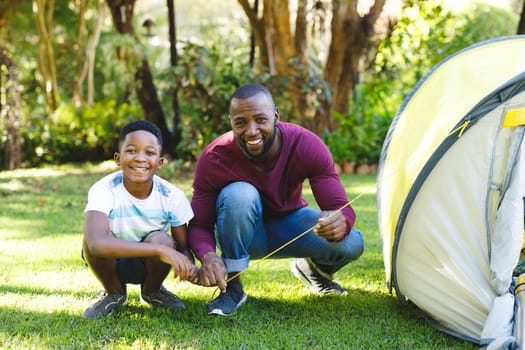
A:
<point x="139" y="157"/>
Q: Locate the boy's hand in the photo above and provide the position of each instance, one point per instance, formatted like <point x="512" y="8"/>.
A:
<point x="182" y="266"/>
<point x="188" y="254"/>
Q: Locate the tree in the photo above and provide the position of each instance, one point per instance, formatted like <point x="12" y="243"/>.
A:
<point x="9" y="97"/>
<point x="172" y="34"/>
<point x="9" y="109"/>
<point x="122" y="14"/>
<point x="43" y="12"/>
<point x="354" y="37"/>
<point x="86" y="50"/>
<point x="521" y="25"/>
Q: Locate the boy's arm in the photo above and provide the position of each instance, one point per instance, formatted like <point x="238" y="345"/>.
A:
<point x="180" y="235"/>
<point x="101" y="243"/>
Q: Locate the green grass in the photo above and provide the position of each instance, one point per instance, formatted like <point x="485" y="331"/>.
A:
<point x="45" y="287"/>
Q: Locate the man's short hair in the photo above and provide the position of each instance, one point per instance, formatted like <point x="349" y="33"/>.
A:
<point x="140" y="125"/>
<point x="250" y="90"/>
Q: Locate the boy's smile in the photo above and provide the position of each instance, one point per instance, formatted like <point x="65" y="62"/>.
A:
<point x="139" y="158"/>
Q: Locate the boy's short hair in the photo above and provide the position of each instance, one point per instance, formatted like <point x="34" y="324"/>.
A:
<point x="140" y="125"/>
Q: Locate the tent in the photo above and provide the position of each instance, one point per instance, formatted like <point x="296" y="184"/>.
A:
<point x="450" y="188"/>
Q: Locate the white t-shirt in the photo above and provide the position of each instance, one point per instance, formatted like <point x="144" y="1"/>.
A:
<point x="131" y="218"/>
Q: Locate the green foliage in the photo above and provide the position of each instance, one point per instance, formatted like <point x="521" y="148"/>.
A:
<point x="424" y="35"/>
<point x="427" y="32"/>
<point x="206" y="77"/>
<point x="360" y="134"/>
<point x="208" y="73"/>
<point x="78" y="135"/>
<point x="119" y="56"/>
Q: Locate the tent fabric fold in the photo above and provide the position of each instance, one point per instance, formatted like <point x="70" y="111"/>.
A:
<point x="450" y="190"/>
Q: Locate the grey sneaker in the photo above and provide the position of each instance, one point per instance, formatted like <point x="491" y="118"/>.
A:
<point x="228" y="302"/>
<point x="318" y="281"/>
<point x="165" y="299"/>
<point x="105" y="305"/>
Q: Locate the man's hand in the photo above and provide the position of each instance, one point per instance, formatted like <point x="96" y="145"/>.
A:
<point x="331" y="225"/>
<point x="212" y="272"/>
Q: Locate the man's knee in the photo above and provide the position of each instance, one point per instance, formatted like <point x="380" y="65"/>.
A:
<point x="355" y="243"/>
<point x="239" y="194"/>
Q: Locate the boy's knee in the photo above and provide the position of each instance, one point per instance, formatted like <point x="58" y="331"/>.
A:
<point x="160" y="237"/>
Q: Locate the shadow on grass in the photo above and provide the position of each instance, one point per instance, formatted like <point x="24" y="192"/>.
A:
<point x="39" y="291"/>
<point x="358" y="321"/>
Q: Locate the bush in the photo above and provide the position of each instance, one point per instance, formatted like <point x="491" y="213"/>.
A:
<point x="206" y="78"/>
<point x="425" y="34"/>
<point x="77" y="135"/>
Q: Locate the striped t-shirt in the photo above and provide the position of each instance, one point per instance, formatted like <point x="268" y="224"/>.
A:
<point x="132" y="218"/>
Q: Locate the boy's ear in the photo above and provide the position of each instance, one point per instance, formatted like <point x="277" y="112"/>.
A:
<point x="161" y="161"/>
<point x="116" y="158"/>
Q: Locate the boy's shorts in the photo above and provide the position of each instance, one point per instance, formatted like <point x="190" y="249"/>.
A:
<point x="129" y="270"/>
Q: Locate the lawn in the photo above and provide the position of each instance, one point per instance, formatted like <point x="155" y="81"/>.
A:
<point x="45" y="287"/>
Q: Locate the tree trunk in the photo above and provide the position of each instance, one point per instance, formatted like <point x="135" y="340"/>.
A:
<point x="9" y="109"/>
<point x="91" y="50"/>
<point x="301" y="69"/>
<point x="43" y="12"/>
<point x="280" y="52"/>
<point x="177" y="127"/>
<point x="521" y="25"/>
<point x="345" y="57"/>
<point x="86" y="55"/>
<point x="80" y="73"/>
<point x="283" y="54"/>
<point x="122" y="15"/>
<point x="252" y="37"/>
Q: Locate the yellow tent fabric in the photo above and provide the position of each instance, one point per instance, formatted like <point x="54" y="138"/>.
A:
<point x="430" y="114"/>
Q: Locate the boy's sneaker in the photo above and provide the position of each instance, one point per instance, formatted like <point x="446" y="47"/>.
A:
<point x="318" y="281"/>
<point x="164" y="298"/>
<point x="228" y="302"/>
<point x="105" y="305"/>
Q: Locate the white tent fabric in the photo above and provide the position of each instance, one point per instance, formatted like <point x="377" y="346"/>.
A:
<point x="450" y="192"/>
<point x="451" y="262"/>
<point x="430" y="113"/>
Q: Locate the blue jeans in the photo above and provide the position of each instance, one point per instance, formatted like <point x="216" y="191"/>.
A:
<point x="242" y="233"/>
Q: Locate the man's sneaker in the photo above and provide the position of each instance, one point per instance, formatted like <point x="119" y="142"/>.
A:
<point x="318" y="281"/>
<point x="105" y="305"/>
<point x="164" y="298"/>
<point x="228" y="302"/>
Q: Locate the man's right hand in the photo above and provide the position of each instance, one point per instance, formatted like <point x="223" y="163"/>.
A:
<point x="212" y="271"/>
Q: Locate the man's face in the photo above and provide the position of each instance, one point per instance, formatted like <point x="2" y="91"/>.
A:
<point x="254" y="123"/>
<point x="139" y="157"/>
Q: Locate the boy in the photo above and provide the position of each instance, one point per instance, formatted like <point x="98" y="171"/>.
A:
<point x="126" y="224"/>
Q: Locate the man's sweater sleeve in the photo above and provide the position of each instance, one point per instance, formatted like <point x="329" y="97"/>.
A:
<point x="327" y="188"/>
<point x="201" y="228"/>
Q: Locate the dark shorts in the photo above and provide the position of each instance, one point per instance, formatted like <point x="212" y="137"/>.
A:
<point x="129" y="270"/>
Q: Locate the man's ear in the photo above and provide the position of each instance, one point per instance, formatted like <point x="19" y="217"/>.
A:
<point x="116" y="158"/>
<point x="277" y="113"/>
<point x="161" y="162"/>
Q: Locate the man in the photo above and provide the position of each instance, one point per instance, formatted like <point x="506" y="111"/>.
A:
<point x="248" y="195"/>
<point x="127" y="219"/>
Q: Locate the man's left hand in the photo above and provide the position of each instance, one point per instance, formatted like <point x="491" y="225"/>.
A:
<point x="331" y="225"/>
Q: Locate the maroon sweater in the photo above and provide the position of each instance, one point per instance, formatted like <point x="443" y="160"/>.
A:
<point x="303" y="156"/>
